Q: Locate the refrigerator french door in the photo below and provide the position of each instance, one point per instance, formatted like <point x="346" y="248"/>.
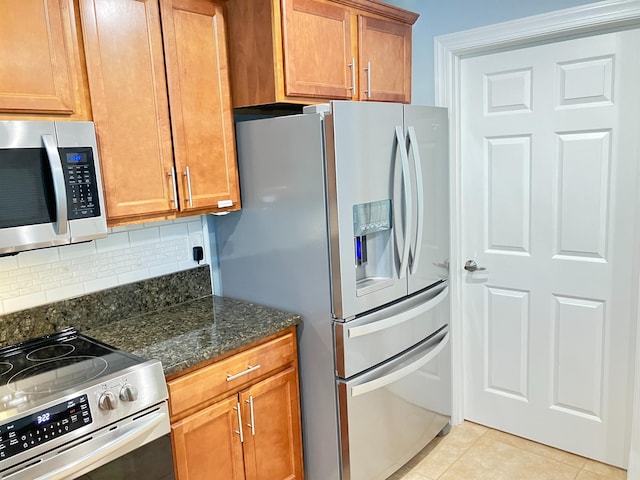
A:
<point x="345" y="222"/>
<point x="388" y="202"/>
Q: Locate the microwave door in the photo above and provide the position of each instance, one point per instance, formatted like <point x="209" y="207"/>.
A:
<point x="364" y="175"/>
<point x="32" y="188"/>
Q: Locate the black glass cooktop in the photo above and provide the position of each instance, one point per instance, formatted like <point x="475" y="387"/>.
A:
<point x="46" y="366"/>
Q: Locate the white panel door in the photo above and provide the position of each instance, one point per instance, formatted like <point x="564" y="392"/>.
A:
<point x="549" y="163"/>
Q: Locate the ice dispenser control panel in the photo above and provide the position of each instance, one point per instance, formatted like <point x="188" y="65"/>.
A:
<point x="372" y="226"/>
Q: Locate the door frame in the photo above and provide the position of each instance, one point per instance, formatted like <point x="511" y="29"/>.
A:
<point x="450" y="50"/>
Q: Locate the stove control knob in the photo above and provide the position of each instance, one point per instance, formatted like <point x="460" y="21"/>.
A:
<point x="129" y="393"/>
<point x="108" y="401"/>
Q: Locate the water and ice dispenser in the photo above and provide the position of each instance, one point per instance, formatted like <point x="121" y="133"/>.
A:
<point x="373" y="245"/>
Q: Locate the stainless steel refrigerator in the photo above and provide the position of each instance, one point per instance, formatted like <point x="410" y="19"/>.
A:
<point x="345" y="220"/>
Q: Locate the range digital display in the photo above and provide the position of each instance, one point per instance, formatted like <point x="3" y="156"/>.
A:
<point x="45" y="425"/>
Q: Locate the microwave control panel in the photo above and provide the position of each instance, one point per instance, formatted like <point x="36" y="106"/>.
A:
<point x="80" y="177"/>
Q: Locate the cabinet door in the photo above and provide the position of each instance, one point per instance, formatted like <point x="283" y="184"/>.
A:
<point x="125" y="65"/>
<point x="273" y="439"/>
<point x="200" y="100"/>
<point x="384" y="60"/>
<point x="37" y="59"/>
<point x="206" y="445"/>
<point x="317" y="52"/>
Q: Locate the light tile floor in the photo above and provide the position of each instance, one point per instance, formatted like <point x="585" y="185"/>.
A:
<point x="474" y="452"/>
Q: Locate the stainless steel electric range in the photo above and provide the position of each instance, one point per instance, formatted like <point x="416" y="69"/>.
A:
<point x="69" y="404"/>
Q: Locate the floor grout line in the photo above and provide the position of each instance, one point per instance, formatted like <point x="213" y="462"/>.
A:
<point x="462" y="454"/>
<point x="568" y="467"/>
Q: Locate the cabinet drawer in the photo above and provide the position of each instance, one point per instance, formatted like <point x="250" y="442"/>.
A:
<point x="227" y="375"/>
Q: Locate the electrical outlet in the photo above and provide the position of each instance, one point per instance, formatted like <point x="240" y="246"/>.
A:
<point x="198" y="254"/>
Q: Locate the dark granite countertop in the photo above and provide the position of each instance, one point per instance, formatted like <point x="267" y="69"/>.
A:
<point x="173" y="318"/>
<point x="193" y="332"/>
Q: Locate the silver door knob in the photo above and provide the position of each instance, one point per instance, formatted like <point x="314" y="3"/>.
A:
<point x="472" y="266"/>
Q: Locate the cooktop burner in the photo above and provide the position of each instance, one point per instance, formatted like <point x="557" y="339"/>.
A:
<point x="50" y="352"/>
<point x="69" y="372"/>
<point x="5" y="367"/>
<point x="35" y="369"/>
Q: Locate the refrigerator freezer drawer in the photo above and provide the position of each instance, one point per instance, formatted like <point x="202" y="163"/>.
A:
<point x="389" y="414"/>
<point x="372" y="339"/>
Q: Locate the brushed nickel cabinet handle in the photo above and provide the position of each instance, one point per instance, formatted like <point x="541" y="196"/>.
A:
<point x="253" y="421"/>
<point x="239" y="431"/>
<point x="175" y="186"/>
<point x="249" y="369"/>
<point x="188" y="174"/>
<point x="352" y="66"/>
<point x="368" y="70"/>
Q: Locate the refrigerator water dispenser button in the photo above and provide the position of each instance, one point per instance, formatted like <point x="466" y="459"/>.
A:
<point x="371" y="217"/>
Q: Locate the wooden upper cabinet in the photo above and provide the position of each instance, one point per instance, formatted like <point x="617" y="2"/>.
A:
<point x="41" y="71"/>
<point x="200" y="102"/>
<point x="310" y="51"/>
<point x="159" y="84"/>
<point x="316" y="38"/>
<point x="125" y="64"/>
<point x="384" y="59"/>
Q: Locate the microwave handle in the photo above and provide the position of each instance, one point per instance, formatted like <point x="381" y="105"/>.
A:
<point x="59" y="187"/>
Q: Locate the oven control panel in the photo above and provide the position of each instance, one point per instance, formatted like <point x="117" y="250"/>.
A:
<point x="43" y="426"/>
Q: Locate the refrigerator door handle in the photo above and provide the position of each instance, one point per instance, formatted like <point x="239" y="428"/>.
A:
<point x="417" y="248"/>
<point x="400" y="373"/>
<point x="408" y="201"/>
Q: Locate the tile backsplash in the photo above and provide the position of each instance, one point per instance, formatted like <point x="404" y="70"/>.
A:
<point x="128" y="254"/>
<point x="101" y="308"/>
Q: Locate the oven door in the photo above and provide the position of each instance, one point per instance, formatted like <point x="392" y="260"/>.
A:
<point x="117" y="452"/>
<point x="152" y="461"/>
<point x="388" y="414"/>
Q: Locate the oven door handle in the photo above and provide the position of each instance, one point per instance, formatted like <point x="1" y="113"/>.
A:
<point x="140" y="428"/>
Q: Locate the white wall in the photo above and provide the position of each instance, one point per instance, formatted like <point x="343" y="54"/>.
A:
<point x="438" y="17"/>
<point x="128" y="254"/>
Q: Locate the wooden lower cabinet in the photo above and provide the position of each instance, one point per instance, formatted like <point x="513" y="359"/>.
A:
<point x="272" y="440"/>
<point x="208" y="442"/>
<point x="252" y="433"/>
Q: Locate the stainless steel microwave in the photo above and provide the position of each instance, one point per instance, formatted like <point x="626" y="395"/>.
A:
<point x="50" y="185"/>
